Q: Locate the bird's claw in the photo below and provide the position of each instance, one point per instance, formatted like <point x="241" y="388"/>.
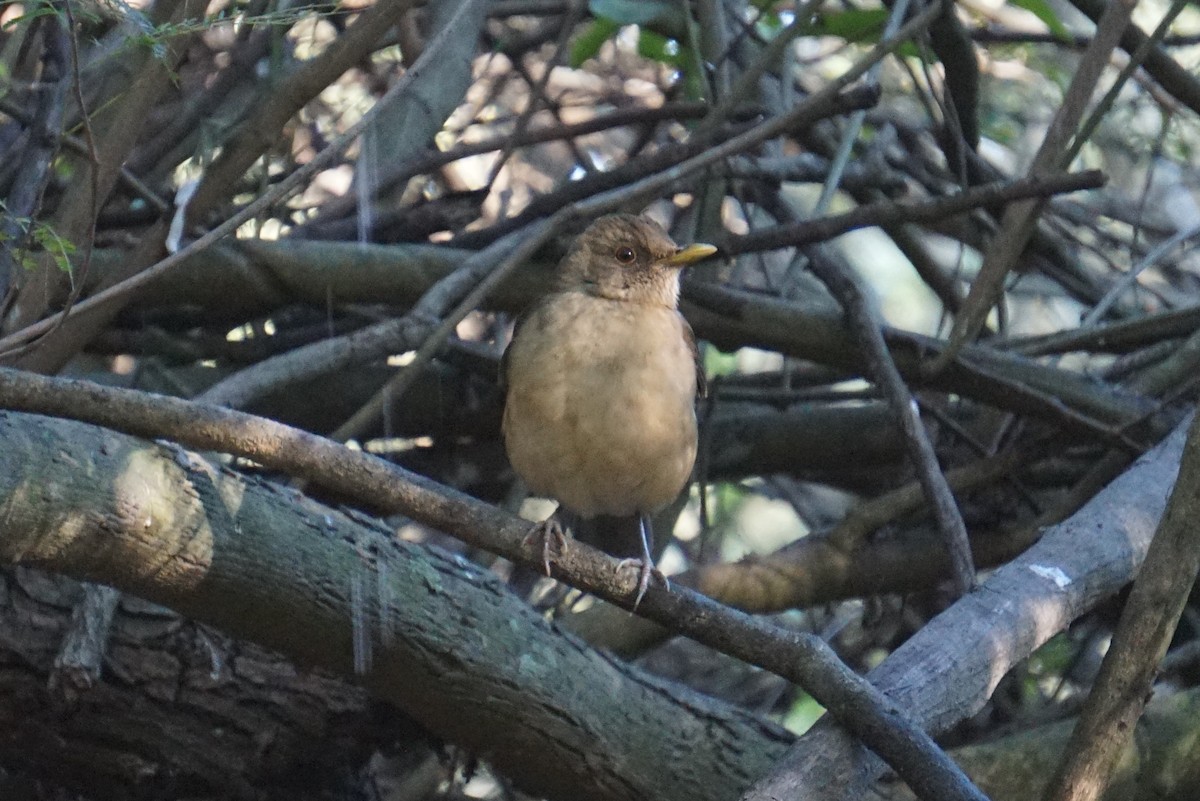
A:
<point x="646" y="569"/>
<point x="553" y="539"/>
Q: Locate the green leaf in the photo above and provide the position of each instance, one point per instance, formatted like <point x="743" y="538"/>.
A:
<point x="59" y="249"/>
<point x="717" y="363"/>
<point x="657" y="47"/>
<point x="914" y="50"/>
<point x="803" y="713"/>
<point x="1042" y="10"/>
<point x="853" y="26"/>
<point x="588" y="43"/>
<point x="693" y="81"/>
<point x="863" y="26"/>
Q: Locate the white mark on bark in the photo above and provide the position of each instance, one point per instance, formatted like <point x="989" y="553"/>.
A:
<point x="1055" y="574"/>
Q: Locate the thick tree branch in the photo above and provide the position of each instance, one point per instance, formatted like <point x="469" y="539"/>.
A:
<point x="255" y="278"/>
<point x="1147" y="624"/>
<point x="948" y="670"/>
<point x="1114" y="530"/>
<point x="146" y="730"/>
<point x="435" y="634"/>
<point x="802" y="658"/>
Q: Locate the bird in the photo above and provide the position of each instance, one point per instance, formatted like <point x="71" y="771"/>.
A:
<point x="600" y="381"/>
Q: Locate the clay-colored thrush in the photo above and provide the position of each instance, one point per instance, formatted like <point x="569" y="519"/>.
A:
<point x="601" y="381"/>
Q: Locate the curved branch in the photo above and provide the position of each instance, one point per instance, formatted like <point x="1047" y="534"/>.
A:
<point x="948" y="670"/>
<point x="435" y="632"/>
<point x="799" y="657"/>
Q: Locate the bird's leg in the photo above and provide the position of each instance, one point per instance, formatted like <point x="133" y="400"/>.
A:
<point x="646" y="567"/>
<point x="552" y="536"/>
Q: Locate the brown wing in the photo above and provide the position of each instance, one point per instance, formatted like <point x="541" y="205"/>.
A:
<point x="701" y="379"/>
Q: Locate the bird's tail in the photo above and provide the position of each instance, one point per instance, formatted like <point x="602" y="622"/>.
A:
<point x="616" y="536"/>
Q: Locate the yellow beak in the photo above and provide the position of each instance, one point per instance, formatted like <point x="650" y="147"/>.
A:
<point x="685" y="257"/>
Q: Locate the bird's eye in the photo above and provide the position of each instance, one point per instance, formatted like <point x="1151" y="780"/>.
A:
<point x="625" y="255"/>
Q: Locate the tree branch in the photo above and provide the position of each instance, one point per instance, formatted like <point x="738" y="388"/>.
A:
<point x="799" y="657"/>
<point x="431" y="630"/>
<point x="807" y="232"/>
<point x="1148" y="622"/>
<point x="947" y="670"/>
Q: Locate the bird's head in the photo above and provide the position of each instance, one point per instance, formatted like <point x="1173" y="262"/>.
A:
<point x="628" y="257"/>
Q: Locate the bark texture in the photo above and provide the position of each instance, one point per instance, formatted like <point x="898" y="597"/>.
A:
<point x="430" y="632"/>
<point x="180" y="710"/>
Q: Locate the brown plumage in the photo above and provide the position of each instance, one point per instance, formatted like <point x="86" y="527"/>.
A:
<point x="601" y="378"/>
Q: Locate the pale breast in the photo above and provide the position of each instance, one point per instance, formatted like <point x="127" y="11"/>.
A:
<point x="600" y="407"/>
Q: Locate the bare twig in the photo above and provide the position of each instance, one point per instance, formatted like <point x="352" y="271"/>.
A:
<point x="275" y="108"/>
<point x="391" y="174"/>
<point x="1178" y="81"/>
<point x="864" y="319"/>
<point x="804" y="232"/>
<point x="45" y="130"/>
<point x="949" y="669"/>
<point x="1019" y="219"/>
<point x="1117" y="337"/>
<point x="279" y="193"/>
<point x="93" y="165"/>
<point x="492" y="264"/>
<point x="1104" y="104"/>
<point x="566" y="26"/>
<point x="495" y="262"/>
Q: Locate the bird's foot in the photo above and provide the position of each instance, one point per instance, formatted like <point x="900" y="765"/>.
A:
<point x="646" y="568"/>
<point x="553" y="538"/>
